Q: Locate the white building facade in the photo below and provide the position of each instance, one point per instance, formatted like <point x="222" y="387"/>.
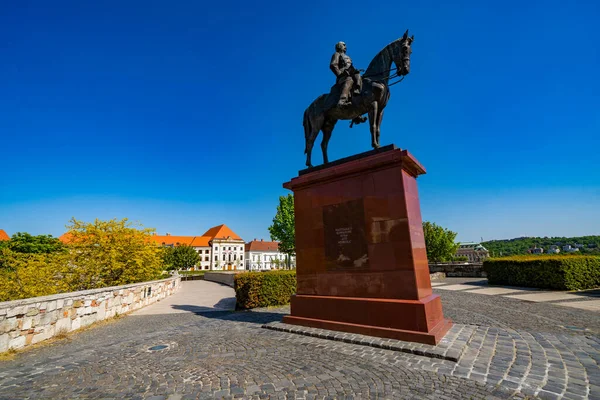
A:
<point x="219" y="248"/>
<point x="262" y="256"/>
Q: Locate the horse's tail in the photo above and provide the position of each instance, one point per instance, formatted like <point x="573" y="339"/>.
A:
<point x="307" y="128"/>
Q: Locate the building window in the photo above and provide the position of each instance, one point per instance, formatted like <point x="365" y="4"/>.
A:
<point x="199" y="251"/>
<point x="216" y="248"/>
<point x="241" y="257"/>
<point x="223" y="257"/>
<point x="215" y="258"/>
<point x="234" y="257"/>
<point x="206" y="252"/>
<point x="230" y="248"/>
<point x="206" y="258"/>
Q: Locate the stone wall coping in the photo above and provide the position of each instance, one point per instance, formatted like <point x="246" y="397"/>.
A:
<point x="81" y="293"/>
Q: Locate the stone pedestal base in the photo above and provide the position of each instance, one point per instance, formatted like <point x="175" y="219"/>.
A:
<point x="360" y="250"/>
<point x="410" y="320"/>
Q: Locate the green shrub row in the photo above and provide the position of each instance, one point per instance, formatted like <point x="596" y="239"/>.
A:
<point x="264" y="289"/>
<point x="548" y="272"/>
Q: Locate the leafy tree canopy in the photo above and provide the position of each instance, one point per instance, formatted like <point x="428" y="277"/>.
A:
<point x="109" y="253"/>
<point x="22" y="242"/>
<point x="439" y="242"/>
<point x="283" y="227"/>
<point x="181" y="257"/>
<point x="516" y="246"/>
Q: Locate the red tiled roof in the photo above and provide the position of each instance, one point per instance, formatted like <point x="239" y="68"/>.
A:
<point x="259" y="245"/>
<point x="194" y="241"/>
<point x="221" y="232"/>
<point x="3" y="235"/>
<point x="65" y="238"/>
<point x="218" y="232"/>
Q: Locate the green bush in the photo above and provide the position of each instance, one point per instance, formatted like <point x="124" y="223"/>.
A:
<point x="551" y="272"/>
<point x="264" y="289"/>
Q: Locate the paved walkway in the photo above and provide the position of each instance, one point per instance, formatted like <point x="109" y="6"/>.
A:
<point x="225" y="354"/>
<point x="584" y="300"/>
<point x="194" y="296"/>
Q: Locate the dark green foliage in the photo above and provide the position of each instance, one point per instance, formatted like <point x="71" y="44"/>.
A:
<point x="180" y="258"/>
<point x="551" y="272"/>
<point x="283" y="228"/>
<point x="511" y="247"/>
<point x="23" y="242"/>
<point x="264" y="289"/>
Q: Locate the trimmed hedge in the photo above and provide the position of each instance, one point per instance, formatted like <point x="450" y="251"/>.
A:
<point x="264" y="289"/>
<point x="550" y="272"/>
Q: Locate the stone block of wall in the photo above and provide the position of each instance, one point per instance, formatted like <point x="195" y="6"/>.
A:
<point x="29" y="321"/>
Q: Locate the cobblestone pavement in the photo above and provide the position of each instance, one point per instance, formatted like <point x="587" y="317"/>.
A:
<point x="546" y="365"/>
<point x="224" y="355"/>
<point x="228" y="355"/>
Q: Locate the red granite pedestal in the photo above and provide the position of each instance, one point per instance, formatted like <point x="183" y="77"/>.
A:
<point x="360" y="250"/>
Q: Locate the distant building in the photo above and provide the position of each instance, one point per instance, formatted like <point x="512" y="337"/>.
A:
<point x="261" y="255"/>
<point x="4" y="235"/>
<point x="219" y="247"/>
<point x="475" y="252"/>
<point x="553" y="249"/>
<point x="536" y="250"/>
<point x="579" y="246"/>
<point x="568" y="249"/>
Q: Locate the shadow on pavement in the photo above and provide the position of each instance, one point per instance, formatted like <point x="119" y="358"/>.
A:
<point x="588" y="293"/>
<point x="231" y="315"/>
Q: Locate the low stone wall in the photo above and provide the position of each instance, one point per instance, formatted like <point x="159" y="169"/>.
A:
<point x="225" y="278"/>
<point x="29" y="321"/>
<point x="462" y="269"/>
<point x="437" y="276"/>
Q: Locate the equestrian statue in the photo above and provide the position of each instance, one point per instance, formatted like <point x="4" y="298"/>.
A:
<point x="354" y="95"/>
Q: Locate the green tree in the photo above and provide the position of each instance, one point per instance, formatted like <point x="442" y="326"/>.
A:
<point x="168" y="258"/>
<point x="283" y="228"/>
<point x="184" y="257"/>
<point x="22" y="242"/>
<point x="439" y="242"/>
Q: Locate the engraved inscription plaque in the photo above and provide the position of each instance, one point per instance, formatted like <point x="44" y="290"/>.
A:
<point x="345" y="236"/>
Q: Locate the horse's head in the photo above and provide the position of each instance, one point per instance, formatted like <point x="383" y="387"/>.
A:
<point x="402" y="52"/>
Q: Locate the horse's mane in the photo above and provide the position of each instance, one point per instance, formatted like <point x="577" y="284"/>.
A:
<point x="380" y="63"/>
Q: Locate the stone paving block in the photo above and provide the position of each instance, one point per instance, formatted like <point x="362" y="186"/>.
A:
<point x="457" y="287"/>
<point x="545" y="296"/>
<point x="589" y="305"/>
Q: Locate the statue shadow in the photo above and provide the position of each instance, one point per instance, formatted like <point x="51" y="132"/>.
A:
<point x="223" y="311"/>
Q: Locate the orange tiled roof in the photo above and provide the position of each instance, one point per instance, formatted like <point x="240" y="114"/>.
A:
<point x="65" y="237"/>
<point x="3" y="235"/>
<point x="260" y="245"/>
<point x="221" y="232"/>
<point x="194" y="241"/>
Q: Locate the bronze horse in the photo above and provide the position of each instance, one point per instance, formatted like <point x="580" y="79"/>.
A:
<point x="323" y="113"/>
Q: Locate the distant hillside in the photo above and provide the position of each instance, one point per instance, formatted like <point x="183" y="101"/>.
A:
<point x="509" y="247"/>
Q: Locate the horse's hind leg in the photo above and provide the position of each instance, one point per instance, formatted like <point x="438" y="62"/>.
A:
<point x="327" y="131"/>
<point x="373" y="124"/>
<point x="309" y="146"/>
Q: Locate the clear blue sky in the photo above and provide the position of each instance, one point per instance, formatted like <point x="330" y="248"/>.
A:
<point x="184" y="114"/>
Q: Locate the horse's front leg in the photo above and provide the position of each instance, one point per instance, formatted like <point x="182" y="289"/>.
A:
<point x="373" y="119"/>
